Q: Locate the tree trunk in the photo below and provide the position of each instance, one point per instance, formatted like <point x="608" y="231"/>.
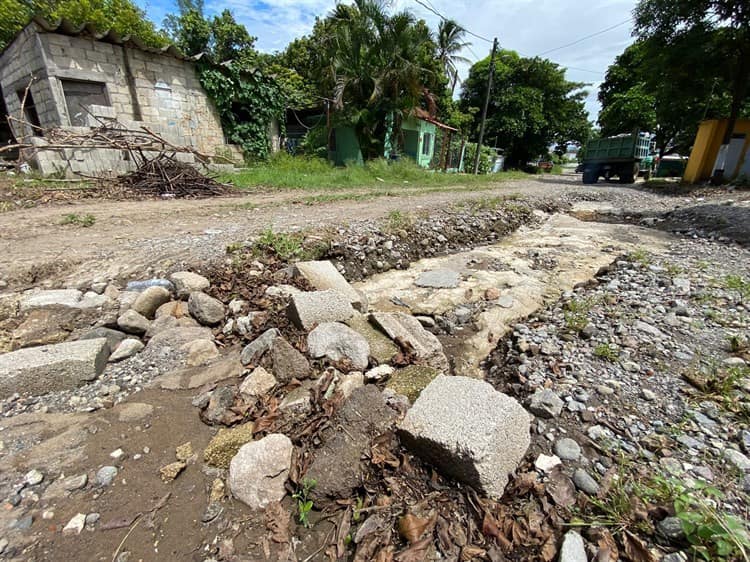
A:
<point x="738" y="98"/>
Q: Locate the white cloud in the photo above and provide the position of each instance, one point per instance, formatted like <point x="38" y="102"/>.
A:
<point x="527" y="26"/>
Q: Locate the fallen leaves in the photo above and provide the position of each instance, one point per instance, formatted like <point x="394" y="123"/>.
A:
<point x="635" y="549"/>
<point x="561" y="489"/>
<point x="412" y="528"/>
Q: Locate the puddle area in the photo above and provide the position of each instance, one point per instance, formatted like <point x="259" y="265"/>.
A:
<point x="508" y="281"/>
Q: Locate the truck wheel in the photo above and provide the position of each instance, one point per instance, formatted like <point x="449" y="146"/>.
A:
<point x="590" y="175"/>
<point x="628" y="174"/>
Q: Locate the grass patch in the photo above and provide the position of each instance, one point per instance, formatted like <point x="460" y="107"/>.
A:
<point x="286" y="246"/>
<point x="78" y="220"/>
<point x="577" y="313"/>
<point x="640" y="256"/>
<point x="288" y="172"/>
<point x="398" y="220"/>
<point x="739" y="285"/>
<point x="607" y="351"/>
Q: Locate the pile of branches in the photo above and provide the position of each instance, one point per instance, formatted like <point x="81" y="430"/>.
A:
<point x="166" y="177"/>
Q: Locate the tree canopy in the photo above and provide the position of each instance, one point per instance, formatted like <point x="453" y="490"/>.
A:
<point x="123" y="16"/>
<point x="532" y="105"/>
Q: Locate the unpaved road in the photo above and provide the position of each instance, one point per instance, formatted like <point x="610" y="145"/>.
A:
<point x="151" y="237"/>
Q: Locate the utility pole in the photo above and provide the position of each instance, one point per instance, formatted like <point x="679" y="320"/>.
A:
<point x="486" y="104"/>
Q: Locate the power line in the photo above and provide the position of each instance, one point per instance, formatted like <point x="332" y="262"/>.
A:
<point x="441" y="16"/>
<point x="582" y="39"/>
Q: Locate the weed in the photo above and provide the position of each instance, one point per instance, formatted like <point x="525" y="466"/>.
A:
<point x="607" y="351"/>
<point x="79" y="220"/>
<point x="740" y="285"/>
<point x="304" y="503"/>
<point x="285" y="246"/>
<point x="576" y="313"/>
<point x="235" y="247"/>
<point x="398" y="220"/>
<point x="673" y="269"/>
<point x="640" y="256"/>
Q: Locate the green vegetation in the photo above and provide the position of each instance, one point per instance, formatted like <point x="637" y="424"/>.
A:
<point x="287" y="246"/>
<point x="607" y="351"/>
<point x="640" y="256"/>
<point x="576" y="313"/>
<point x="79" y="220"/>
<point x="288" y="172"/>
<point x="304" y="503"/>
<point x="739" y="285"/>
<point x="398" y="220"/>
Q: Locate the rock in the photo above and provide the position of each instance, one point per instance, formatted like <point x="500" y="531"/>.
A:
<point x="114" y="337"/>
<point x="647" y="394"/>
<point x="44" y="326"/>
<point x="323" y="275"/>
<point x="546" y="463"/>
<point x="675" y="557"/>
<point x="171" y="471"/>
<point x="379" y="373"/>
<point x="257" y="383"/>
<point x="219" y="402"/>
<point x="339" y="343"/>
<point x="62" y="366"/>
<point x="287" y="362"/>
<point x="75" y="525"/>
<point x="33" y="477"/>
<point x="648" y="329"/>
<point x="585" y="482"/>
<point x="160" y="324"/>
<point x="567" y="449"/>
<point x="106" y="475"/>
<point x="573" y="549"/>
<point x="253" y="352"/>
<point x="200" y="352"/>
<point x="186" y="282"/>
<point x="411" y="380"/>
<point x="126" y="349"/>
<point x="22" y="523"/>
<point x="150" y="300"/>
<point x="438" y="279"/>
<point x="133" y="323"/>
<point x="134" y="412"/>
<point x="224" y="367"/>
<point x="259" y="470"/>
<point x="74" y="483"/>
<point x="68" y="298"/>
<point x="407" y="329"/>
<point x="545" y="404"/>
<point x="3" y="544"/>
<point x="298" y="400"/>
<point x="175" y="309"/>
<point x="225" y="445"/>
<point x="492" y="293"/>
<point x="745" y="440"/>
<point x="469" y="431"/>
<point x="206" y="310"/>
<point x="737" y="459"/>
<point x="681" y="285"/>
<point x="307" y="310"/>
<point x="671" y="528"/>
<point x="174" y="339"/>
<point x="140" y="286"/>
<point x="336" y="467"/>
<point x="92" y="519"/>
<point x="382" y="349"/>
<point x="349" y="383"/>
<point x="235" y="306"/>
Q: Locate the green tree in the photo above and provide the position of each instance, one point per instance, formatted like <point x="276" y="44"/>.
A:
<point x="450" y="42"/>
<point x="532" y="105"/>
<point x="668" y="22"/>
<point x="122" y="16"/>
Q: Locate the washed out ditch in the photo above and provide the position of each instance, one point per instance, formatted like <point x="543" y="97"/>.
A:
<point x="499" y="381"/>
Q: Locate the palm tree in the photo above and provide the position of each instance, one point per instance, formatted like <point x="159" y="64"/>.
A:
<point x="450" y="42"/>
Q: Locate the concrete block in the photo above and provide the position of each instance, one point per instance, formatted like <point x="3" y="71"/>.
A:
<point x="323" y="275"/>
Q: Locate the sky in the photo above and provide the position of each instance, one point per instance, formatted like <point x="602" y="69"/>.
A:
<point x="530" y="27"/>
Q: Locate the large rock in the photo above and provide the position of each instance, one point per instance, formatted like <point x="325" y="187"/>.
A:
<point x="257" y="383"/>
<point x="307" y="310"/>
<point x="225" y="367"/>
<point x="68" y="298"/>
<point x="287" y="362"/>
<point x="438" y="279"/>
<point x="254" y="351"/>
<point x="382" y="349"/>
<point x="150" y="300"/>
<point x="126" y="349"/>
<point x="408" y="330"/>
<point x="114" y="337"/>
<point x="336" y="468"/>
<point x="186" y="282"/>
<point x="62" y="366"/>
<point x="44" y="326"/>
<point x="259" y="470"/>
<point x="339" y="342"/>
<point x="412" y="380"/>
<point x="133" y="323"/>
<point x="323" y="275"/>
<point x="174" y="339"/>
<point x="469" y="431"/>
<point x="206" y="310"/>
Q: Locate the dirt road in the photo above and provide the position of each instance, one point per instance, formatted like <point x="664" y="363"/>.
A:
<point x="150" y="237"/>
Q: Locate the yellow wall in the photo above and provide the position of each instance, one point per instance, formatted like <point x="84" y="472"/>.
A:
<point x="706" y="148"/>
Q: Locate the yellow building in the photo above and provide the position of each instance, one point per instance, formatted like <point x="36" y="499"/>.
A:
<point x="702" y="162"/>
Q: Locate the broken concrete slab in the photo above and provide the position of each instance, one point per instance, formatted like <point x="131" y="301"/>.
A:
<point x="339" y="342"/>
<point x="408" y="330"/>
<point x="382" y="349"/>
<point x="226" y="367"/>
<point x="323" y="275"/>
<point x="307" y="310"/>
<point x="259" y="470"/>
<point x="336" y="468"/>
<point x="257" y="383"/>
<point x="469" y="431"/>
<point x="439" y="279"/>
<point x="49" y="368"/>
<point x="69" y="298"/>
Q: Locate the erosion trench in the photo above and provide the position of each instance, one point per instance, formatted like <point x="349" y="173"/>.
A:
<point x="139" y="462"/>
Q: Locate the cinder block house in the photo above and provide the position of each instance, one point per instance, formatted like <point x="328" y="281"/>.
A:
<point x="74" y="78"/>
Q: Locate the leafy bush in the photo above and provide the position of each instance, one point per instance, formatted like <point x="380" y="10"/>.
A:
<point x="486" y="158"/>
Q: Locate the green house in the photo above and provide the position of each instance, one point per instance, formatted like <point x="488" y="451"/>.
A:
<point x="419" y="133"/>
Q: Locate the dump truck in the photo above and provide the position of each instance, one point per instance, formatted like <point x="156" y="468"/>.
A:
<point x="625" y="156"/>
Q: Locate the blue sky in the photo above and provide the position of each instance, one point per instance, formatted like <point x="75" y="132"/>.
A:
<point x="530" y="27"/>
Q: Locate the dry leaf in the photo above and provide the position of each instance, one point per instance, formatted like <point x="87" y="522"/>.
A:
<point x="549" y="549"/>
<point x="491" y="529"/>
<point x="412" y="528"/>
<point x="470" y="552"/>
<point x="635" y="549"/>
<point x="417" y="552"/>
<point x="608" y="550"/>
<point x="342" y="532"/>
<point x="561" y="489"/>
<point x="277" y="522"/>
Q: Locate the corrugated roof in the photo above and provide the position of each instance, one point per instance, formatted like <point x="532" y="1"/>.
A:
<point x="65" y="27"/>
